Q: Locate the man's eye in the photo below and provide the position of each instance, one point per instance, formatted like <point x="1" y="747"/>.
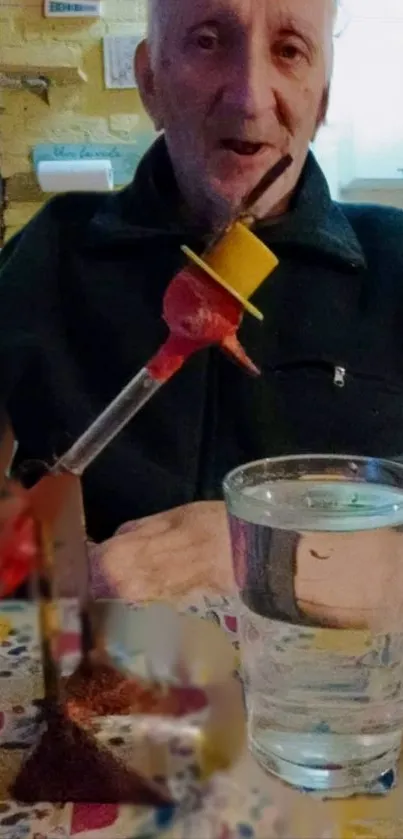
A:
<point x="206" y="41"/>
<point x="290" y="53"/>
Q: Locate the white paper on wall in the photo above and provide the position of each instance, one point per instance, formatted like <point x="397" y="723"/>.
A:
<point x="119" y="53"/>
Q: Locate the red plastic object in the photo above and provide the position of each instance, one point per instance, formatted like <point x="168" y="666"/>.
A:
<point x="199" y="313"/>
<point x="18" y="551"/>
<point x="20" y="512"/>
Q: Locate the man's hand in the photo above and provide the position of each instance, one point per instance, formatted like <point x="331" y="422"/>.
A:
<point x="168" y="555"/>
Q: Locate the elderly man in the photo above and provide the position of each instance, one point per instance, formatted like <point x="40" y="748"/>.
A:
<point x="232" y="84"/>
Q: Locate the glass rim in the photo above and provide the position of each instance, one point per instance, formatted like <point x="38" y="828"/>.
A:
<point x="230" y="488"/>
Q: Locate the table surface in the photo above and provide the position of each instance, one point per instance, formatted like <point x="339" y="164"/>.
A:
<point x="242" y="803"/>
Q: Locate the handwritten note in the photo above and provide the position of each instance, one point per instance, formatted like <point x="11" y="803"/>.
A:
<point x="119" y="60"/>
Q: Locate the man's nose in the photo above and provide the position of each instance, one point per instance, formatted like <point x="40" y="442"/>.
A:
<point x="251" y="84"/>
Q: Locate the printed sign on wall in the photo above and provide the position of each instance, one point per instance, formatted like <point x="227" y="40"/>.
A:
<point x="72" y="8"/>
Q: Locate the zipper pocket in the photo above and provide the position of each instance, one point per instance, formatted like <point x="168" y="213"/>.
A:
<point x="341" y="377"/>
<point x="337" y="371"/>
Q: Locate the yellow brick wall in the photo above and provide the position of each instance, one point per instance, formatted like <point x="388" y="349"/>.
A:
<point x="78" y="112"/>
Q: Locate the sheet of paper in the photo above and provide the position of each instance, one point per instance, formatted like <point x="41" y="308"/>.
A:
<point x="119" y="53"/>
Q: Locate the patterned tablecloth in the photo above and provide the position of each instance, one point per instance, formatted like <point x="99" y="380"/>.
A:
<point x="245" y="804"/>
<point x="238" y="806"/>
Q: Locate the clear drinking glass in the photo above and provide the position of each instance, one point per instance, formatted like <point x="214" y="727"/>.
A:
<point x="317" y="547"/>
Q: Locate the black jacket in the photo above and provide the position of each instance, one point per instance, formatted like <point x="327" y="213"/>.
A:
<point x="81" y="290"/>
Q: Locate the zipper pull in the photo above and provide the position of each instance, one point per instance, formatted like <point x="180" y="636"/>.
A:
<point x="339" y="378"/>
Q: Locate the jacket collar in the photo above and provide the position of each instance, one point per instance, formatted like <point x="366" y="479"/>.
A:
<point x="315" y="222"/>
<point x="150" y="207"/>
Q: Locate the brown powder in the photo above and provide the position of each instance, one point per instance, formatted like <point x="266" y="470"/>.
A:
<point x="100" y="690"/>
<point x="69" y="765"/>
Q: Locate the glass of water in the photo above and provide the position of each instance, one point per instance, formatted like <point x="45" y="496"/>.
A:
<point x="317" y="547"/>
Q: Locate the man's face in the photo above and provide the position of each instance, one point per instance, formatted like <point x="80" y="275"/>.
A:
<point x="235" y="84"/>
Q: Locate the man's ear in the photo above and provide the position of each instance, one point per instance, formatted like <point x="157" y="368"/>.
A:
<point x="323" y="109"/>
<point x="146" y="83"/>
<point x="324" y="105"/>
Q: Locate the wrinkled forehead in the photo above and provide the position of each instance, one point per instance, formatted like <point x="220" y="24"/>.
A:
<point x="317" y="16"/>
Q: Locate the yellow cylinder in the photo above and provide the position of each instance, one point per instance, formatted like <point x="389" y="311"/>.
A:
<point x="239" y="262"/>
<point x="242" y="260"/>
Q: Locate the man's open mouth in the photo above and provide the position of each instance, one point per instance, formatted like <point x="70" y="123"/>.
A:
<point x="242" y="147"/>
